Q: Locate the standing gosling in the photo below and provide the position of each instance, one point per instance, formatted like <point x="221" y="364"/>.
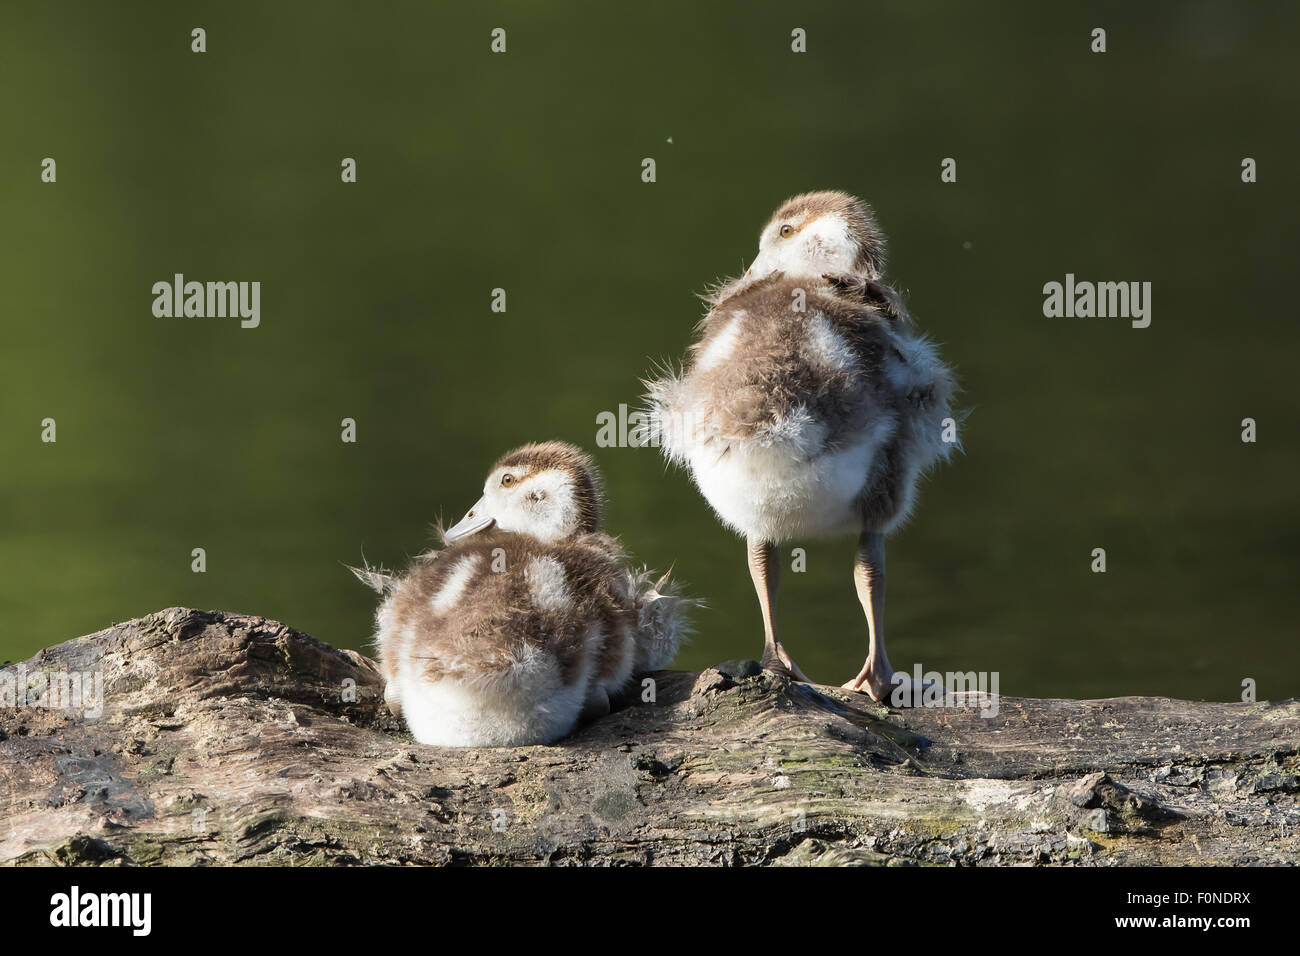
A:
<point x="809" y="408"/>
<point x="528" y="620"/>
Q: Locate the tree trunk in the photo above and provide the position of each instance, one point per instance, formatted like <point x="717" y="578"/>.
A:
<point x="227" y="738"/>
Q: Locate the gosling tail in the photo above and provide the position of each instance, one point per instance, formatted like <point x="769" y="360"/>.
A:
<point x="663" y="621"/>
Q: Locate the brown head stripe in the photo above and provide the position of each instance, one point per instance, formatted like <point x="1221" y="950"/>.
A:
<point x="861" y="220"/>
<point x="561" y="456"/>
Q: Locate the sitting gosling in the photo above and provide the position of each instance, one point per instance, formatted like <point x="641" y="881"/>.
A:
<point x="528" y="620"/>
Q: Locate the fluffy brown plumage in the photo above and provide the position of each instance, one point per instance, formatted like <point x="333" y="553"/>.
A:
<point x="501" y="619"/>
<point x="808" y="384"/>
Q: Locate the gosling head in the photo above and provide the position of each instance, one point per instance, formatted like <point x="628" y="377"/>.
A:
<point x="819" y="233"/>
<point x="549" y="490"/>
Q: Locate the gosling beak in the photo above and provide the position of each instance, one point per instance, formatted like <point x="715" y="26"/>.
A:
<point x="476" y="519"/>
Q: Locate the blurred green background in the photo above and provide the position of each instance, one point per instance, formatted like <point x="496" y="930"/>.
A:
<point x="522" y="171"/>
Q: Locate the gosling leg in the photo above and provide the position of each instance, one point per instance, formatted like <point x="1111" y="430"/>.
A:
<point x="765" y="570"/>
<point x="876" y="676"/>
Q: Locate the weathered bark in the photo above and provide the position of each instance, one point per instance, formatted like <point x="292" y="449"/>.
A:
<point x="230" y="739"/>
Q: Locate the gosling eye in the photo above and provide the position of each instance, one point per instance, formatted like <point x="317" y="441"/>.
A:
<point x="507" y="481"/>
<point x="787" y="231"/>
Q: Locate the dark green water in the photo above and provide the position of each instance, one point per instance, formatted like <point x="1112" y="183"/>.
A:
<point x="522" y="171"/>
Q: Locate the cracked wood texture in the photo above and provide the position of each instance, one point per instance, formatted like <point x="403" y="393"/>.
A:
<point x="232" y="739"/>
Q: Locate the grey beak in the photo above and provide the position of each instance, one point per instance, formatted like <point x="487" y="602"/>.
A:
<point x="476" y="519"/>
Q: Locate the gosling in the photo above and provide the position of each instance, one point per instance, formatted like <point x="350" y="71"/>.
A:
<point x="810" y="408"/>
<point x="529" y="620"/>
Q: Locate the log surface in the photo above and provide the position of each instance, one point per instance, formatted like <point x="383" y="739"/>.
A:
<point x="233" y="739"/>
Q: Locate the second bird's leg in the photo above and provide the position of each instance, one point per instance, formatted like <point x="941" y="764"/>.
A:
<point x="869" y="578"/>
<point x="765" y="570"/>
